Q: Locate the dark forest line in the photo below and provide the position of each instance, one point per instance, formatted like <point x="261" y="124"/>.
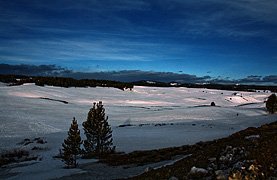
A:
<point x="62" y="81"/>
<point x="70" y="82"/>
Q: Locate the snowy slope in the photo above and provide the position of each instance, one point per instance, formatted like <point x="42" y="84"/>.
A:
<point x="160" y="117"/>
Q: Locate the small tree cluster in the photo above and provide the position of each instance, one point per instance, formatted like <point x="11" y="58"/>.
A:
<point x="271" y="104"/>
<point x="98" y="134"/>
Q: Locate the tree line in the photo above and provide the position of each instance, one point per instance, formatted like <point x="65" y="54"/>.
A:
<point x="70" y="82"/>
<point x="62" y="81"/>
<point x="230" y="87"/>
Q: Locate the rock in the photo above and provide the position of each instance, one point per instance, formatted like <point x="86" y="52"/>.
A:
<point x="252" y="168"/>
<point x="197" y="172"/>
<point x="236" y="176"/>
<point x="271" y="167"/>
<point x="148" y="169"/>
<point x="223" y="159"/>
<point x="213" y="159"/>
<point x="210" y="169"/>
<point x="173" y="178"/>
<point x="238" y="166"/>
<point x="229" y="156"/>
<point x="222" y="177"/>
<point x="252" y="137"/>
<point x="228" y="148"/>
<point x="234" y="150"/>
<point x="218" y="172"/>
<point x="223" y="166"/>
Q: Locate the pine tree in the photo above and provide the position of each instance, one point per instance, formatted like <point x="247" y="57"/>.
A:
<point x="72" y="145"/>
<point x="98" y="132"/>
<point x="271" y="104"/>
<point x="89" y="128"/>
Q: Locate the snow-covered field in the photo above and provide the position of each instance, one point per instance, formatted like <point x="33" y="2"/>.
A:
<point x="159" y="117"/>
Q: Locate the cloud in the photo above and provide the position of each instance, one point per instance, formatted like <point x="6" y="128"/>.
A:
<point x="97" y="49"/>
<point x="137" y="75"/>
<point x="251" y="80"/>
<point x="239" y="19"/>
<point x="125" y="30"/>
<point x="130" y="75"/>
<point x="32" y="70"/>
<point x="271" y="78"/>
<point x="215" y="17"/>
<point x="259" y="79"/>
<point x="125" y="76"/>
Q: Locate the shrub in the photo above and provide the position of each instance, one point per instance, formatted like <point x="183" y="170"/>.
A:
<point x="16" y="155"/>
<point x="271" y="104"/>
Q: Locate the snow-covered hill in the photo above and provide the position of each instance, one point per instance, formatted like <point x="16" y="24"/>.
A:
<point x="156" y="117"/>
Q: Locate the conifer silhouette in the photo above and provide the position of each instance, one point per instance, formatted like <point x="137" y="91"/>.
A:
<point x="271" y="104"/>
<point x="98" y="132"/>
<point x="72" y="145"/>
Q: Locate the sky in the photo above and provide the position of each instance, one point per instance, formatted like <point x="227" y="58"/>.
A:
<point x="169" y="40"/>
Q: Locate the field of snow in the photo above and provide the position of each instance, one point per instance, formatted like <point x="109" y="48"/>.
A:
<point x="156" y="118"/>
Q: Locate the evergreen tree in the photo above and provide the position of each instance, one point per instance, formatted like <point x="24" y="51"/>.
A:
<point x="71" y="145"/>
<point x="271" y="104"/>
<point x="98" y="132"/>
<point x="89" y="128"/>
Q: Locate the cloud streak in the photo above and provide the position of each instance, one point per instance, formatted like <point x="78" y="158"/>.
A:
<point x="239" y="19"/>
<point x="32" y="70"/>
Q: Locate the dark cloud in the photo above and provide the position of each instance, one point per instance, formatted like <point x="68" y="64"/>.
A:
<point x="251" y="80"/>
<point x="130" y="75"/>
<point x="271" y="78"/>
<point x="259" y="79"/>
<point x="125" y="76"/>
<point x="137" y="75"/>
<point x="32" y="70"/>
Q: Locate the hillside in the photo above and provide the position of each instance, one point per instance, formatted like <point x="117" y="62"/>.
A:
<point x="145" y="118"/>
<point x="248" y="154"/>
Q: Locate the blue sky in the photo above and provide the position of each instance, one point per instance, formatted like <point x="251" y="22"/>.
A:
<point x="210" y="39"/>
